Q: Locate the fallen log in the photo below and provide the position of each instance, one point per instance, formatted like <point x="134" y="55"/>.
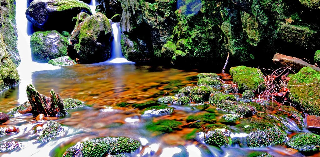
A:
<point x="293" y="62"/>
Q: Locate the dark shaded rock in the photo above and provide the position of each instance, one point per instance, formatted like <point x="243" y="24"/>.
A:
<point x="49" y="106"/>
<point x="48" y="45"/>
<point x="3" y="117"/>
<point x="62" y="61"/>
<point x="111" y="8"/>
<point x="91" y="39"/>
<point x="293" y="62"/>
<point x="55" y="14"/>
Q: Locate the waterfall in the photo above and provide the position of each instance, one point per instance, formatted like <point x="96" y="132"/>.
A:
<point x="116" y="53"/>
<point x="27" y="66"/>
<point x="92" y="6"/>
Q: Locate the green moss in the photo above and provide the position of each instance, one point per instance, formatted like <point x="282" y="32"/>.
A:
<point x="216" y="138"/>
<point x="259" y="154"/>
<point x="51" y="131"/>
<point x="268" y="137"/>
<point x="123" y="104"/>
<point x="184" y="100"/>
<point x="146" y="104"/>
<point x="219" y="97"/>
<point x="230" y="118"/>
<point x="251" y="27"/>
<point x="304" y="90"/>
<point x="158" y="108"/>
<point x="247" y="78"/>
<point x="191" y="135"/>
<point x="210" y="75"/>
<point x="317" y="57"/>
<point x="210" y="82"/>
<point x="163" y="126"/>
<point x="70" y="104"/>
<point x="305" y="142"/>
<point x="69" y="4"/>
<point x="62" y="61"/>
<point x="206" y="117"/>
<point x="104" y="146"/>
<point x="247" y="94"/>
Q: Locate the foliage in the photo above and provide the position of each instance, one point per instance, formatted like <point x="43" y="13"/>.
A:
<point x="62" y="61"/>
<point x="103" y="146"/>
<point x="305" y="142"/>
<point x="51" y="131"/>
<point x="304" y="90"/>
<point x="247" y="78"/>
<point x="216" y="138"/>
<point x="163" y="125"/>
<point x="230" y="118"/>
<point x="317" y="57"/>
<point x="267" y="137"/>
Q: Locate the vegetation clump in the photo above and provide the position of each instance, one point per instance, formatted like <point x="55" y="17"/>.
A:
<point x="247" y="78"/>
<point x="103" y="146"/>
<point x="51" y="131"/>
<point x="304" y="90"/>
<point x="70" y="104"/>
<point x="230" y="118"/>
<point x="62" y="61"/>
<point x="216" y="138"/>
<point x="305" y="142"/>
<point x="267" y="137"/>
<point x="317" y="57"/>
<point x="164" y="126"/>
<point x="68" y="4"/>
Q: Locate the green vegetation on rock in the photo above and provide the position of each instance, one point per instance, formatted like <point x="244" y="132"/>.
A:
<point x="305" y="142"/>
<point x="163" y="126"/>
<point x="304" y="90"/>
<point x="267" y="137"/>
<point x="62" y="61"/>
<point x="68" y="4"/>
<point x="247" y="78"/>
<point x="51" y="131"/>
<point x="103" y="146"/>
<point x="216" y="138"/>
<point x="317" y="57"/>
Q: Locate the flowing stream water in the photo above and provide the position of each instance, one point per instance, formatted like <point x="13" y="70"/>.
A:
<point x="102" y="86"/>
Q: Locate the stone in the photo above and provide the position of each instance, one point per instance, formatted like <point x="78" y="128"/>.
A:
<point x="293" y="62"/>
<point x="313" y="123"/>
<point x="47" y="45"/>
<point x="3" y="117"/>
<point x="48" y="106"/>
<point x="91" y="39"/>
<point x="55" y="14"/>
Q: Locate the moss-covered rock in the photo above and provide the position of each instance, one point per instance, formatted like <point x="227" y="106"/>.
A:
<point x="9" y="146"/>
<point x="62" y="61"/>
<point x="247" y="78"/>
<point x="216" y="138"/>
<point x="103" y="146"/>
<point x="267" y="137"/>
<point x="8" y="73"/>
<point x="47" y="45"/>
<point x="47" y="14"/>
<point x="91" y="38"/>
<point x="305" y="142"/>
<point x="304" y="90"/>
<point x="51" y="130"/>
<point x="156" y="111"/>
<point x="70" y="104"/>
<point x="314" y="4"/>
<point x="163" y="126"/>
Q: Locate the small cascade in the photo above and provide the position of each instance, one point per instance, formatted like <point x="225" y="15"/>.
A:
<point x="27" y="66"/>
<point x="116" y="53"/>
<point x="92" y="6"/>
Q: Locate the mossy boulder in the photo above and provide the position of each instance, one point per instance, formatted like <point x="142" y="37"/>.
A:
<point x="216" y="138"/>
<point x="317" y="57"/>
<point x="305" y="142"/>
<point x="103" y="146"/>
<point x="313" y="4"/>
<point x="247" y="78"/>
<point x="55" y="14"/>
<point x="47" y="45"/>
<point x="8" y="73"/>
<point x="91" y="38"/>
<point x="267" y="137"/>
<point x="62" y="61"/>
<point x="305" y="90"/>
<point x="51" y="130"/>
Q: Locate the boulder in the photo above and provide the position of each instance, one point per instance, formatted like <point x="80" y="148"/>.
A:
<point x="293" y="62"/>
<point x="46" y="45"/>
<point x="49" y="106"/>
<point x="55" y="14"/>
<point x="62" y="61"/>
<point x="91" y="39"/>
<point x="313" y="123"/>
<point x="247" y="78"/>
<point x="3" y="117"/>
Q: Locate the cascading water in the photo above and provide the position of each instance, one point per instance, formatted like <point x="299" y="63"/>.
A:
<point x="116" y="53"/>
<point x="27" y="66"/>
<point x="93" y="6"/>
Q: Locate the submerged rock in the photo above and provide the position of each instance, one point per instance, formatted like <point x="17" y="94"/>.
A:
<point x="62" y="61"/>
<point x="3" y="117"/>
<point x="157" y="112"/>
<point x="55" y="14"/>
<point x="9" y="146"/>
<point x="91" y="38"/>
<point x="48" y="45"/>
<point x="49" y="106"/>
<point x="103" y="147"/>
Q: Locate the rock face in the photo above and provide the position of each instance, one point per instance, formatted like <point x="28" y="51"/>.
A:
<point x="91" y="38"/>
<point x="48" y="45"/>
<point x="49" y="106"/>
<point x="9" y="56"/>
<point x="55" y="14"/>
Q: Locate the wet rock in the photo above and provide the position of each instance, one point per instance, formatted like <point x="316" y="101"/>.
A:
<point x="305" y="142"/>
<point x="9" y="146"/>
<point x="51" y="130"/>
<point x="49" y="106"/>
<point x="313" y="123"/>
<point x="70" y="104"/>
<point x="267" y="137"/>
<point x="103" y="146"/>
<point x="216" y="138"/>
<point x="91" y="39"/>
<point x="62" y="61"/>
<point x="293" y="62"/>
<point x="46" y="45"/>
<point x="157" y="113"/>
<point x="21" y="109"/>
<point x="3" y="117"/>
<point x="55" y="14"/>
